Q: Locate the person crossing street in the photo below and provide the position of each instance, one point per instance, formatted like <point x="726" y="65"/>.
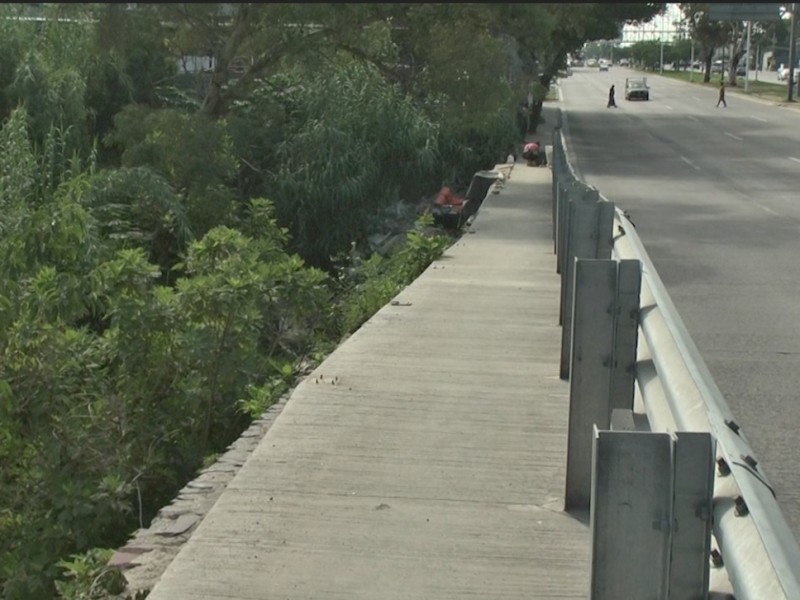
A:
<point x="722" y="95"/>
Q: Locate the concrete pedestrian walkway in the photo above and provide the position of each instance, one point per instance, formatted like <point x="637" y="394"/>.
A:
<point x="425" y="458"/>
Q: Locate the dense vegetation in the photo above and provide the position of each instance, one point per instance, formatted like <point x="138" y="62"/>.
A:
<point x="176" y="243"/>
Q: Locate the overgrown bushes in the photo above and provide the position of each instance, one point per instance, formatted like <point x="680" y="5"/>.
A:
<point x="164" y="283"/>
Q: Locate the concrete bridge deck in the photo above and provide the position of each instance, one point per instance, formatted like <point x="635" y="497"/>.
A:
<point x="425" y="458"/>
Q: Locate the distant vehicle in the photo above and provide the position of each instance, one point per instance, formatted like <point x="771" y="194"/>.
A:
<point x="636" y="88"/>
<point x="624" y="62"/>
<point x="783" y="73"/>
<point x="592" y="62"/>
<point x="716" y="66"/>
<point x="740" y="70"/>
<point x="603" y="64"/>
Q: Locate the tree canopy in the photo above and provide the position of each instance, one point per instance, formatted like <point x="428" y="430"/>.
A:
<point x="189" y="198"/>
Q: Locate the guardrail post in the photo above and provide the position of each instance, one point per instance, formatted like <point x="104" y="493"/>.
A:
<point x="631" y="514"/>
<point x="567" y="192"/>
<point x="694" y="491"/>
<point x="650" y="516"/>
<point x="604" y="327"/>
<point x="558" y="171"/>
<point x="590" y="381"/>
<point x="626" y="333"/>
<point x="590" y="225"/>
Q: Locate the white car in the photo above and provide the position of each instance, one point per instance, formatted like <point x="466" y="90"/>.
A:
<point x="783" y="73"/>
<point x="603" y="64"/>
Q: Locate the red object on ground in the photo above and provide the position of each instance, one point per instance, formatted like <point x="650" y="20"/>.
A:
<point x="446" y="197"/>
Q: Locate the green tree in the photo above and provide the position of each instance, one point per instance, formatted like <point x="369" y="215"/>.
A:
<point x="707" y="33"/>
<point x="158" y="139"/>
<point x="354" y="145"/>
<point x="647" y="54"/>
<point x="250" y="42"/>
<point x="129" y="63"/>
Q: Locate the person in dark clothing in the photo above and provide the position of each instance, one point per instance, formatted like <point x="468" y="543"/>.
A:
<point x="611" y="101"/>
<point x="722" y="95"/>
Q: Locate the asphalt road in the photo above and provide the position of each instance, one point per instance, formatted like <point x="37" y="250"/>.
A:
<point x="715" y="196"/>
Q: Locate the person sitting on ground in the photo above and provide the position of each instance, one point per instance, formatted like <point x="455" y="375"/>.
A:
<point x="530" y="152"/>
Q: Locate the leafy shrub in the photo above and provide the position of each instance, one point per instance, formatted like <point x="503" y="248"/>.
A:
<point x="377" y="280"/>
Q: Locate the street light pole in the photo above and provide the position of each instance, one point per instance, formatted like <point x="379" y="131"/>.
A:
<point x="792" y="51"/>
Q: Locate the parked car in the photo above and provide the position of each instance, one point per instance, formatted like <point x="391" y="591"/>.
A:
<point x="783" y="73"/>
<point x="636" y="88"/>
<point x="716" y="66"/>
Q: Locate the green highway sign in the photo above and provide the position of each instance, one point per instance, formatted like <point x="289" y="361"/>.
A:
<point x="744" y="12"/>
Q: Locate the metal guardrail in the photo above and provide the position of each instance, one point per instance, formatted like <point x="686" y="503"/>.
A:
<point x="678" y="394"/>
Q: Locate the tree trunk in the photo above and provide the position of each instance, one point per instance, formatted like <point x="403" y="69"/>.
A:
<point x="544" y="79"/>
<point x="707" y="59"/>
<point x="738" y="52"/>
<point x="215" y="103"/>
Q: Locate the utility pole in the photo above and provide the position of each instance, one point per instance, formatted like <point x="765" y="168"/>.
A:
<point x="792" y="51"/>
<point x="758" y="57"/>
<point x="747" y="60"/>
<point x="691" y="62"/>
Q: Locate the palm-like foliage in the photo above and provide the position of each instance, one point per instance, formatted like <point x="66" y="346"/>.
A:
<point x="354" y="144"/>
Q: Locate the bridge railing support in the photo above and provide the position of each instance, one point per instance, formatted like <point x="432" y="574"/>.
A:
<point x="650" y="514"/>
<point x="757" y="548"/>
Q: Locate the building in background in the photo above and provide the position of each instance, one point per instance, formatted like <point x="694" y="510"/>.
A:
<point x="665" y="27"/>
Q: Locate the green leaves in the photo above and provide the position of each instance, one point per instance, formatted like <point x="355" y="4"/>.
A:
<point x="159" y="139"/>
<point x="88" y="576"/>
<point x="151" y="307"/>
<point x="353" y="145"/>
<point x="378" y="279"/>
<point x="18" y="172"/>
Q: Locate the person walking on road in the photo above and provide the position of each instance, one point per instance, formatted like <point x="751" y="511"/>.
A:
<point x="722" y="95"/>
<point x="611" y="101"/>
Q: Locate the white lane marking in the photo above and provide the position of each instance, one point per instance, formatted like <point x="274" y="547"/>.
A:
<point x="690" y="163"/>
<point x="765" y="209"/>
<point x="668" y="107"/>
<point x="696" y="98"/>
<point x="758" y="119"/>
<point x="736" y="137"/>
<point x="794" y="159"/>
<point x="692" y="118"/>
